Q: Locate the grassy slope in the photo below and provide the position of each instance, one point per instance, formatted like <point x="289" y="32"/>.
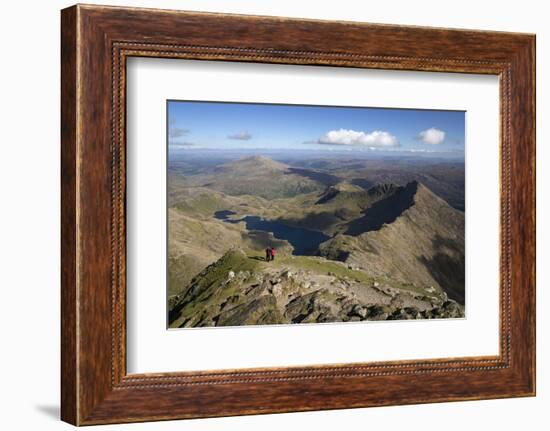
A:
<point x="424" y="246"/>
<point x="206" y="291"/>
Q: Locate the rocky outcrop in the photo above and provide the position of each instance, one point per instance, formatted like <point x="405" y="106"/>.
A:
<point x="240" y="290"/>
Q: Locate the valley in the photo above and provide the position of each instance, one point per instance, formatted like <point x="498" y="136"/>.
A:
<point x="356" y="239"/>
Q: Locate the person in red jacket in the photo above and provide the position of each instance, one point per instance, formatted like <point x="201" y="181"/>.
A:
<point x="273" y="251"/>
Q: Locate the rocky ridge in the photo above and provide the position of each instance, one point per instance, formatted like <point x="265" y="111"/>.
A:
<point x="241" y="290"/>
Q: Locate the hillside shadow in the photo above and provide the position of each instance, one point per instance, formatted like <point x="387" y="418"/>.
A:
<point x="447" y="267"/>
<point x="320" y="177"/>
<point x="384" y="211"/>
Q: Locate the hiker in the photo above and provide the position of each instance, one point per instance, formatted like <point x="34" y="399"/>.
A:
<point x="273" y="251"/>
<point x="267" y="254"/>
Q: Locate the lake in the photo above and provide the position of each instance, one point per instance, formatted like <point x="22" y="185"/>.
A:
<point x="304" y="241"/>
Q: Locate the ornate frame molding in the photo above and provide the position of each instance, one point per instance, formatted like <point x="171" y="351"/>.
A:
<point x="96" y="41"/>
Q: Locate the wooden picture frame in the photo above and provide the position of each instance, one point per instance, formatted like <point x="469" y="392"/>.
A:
<point x="95" y="43"/>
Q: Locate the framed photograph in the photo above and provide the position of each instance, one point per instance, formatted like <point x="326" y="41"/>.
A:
<point x="263" y="214"/>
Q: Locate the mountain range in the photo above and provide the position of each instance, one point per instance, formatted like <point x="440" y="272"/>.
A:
<point x="346" y="250"/>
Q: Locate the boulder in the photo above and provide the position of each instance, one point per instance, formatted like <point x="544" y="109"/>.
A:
<point x="287" y="274"/>
<point x="276" y="289"/>
<point x="230" y="276"/>
<point x="359" y="310"/>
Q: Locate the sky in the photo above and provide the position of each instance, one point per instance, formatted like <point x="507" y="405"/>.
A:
<point x="217" y="125"/>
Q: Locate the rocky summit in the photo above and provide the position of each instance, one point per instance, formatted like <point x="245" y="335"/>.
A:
<point x="242" y="290"/>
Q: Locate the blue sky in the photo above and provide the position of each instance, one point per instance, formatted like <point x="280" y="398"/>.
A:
<point x="196" y="125"/>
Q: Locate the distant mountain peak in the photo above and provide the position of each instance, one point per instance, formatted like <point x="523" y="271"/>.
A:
<point x="425" y="193"/>
<point x="258" y="162"/>
<point x="258" y="158"/>
<point x="382" y="189"/>
<point x="343" y="188"/>
<point x="346" y="186"/>
<point x="260" y="176"/>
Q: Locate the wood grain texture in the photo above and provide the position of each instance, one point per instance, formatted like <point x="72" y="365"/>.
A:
<point x="96" y="41"/>
<point x="69" y="397"/>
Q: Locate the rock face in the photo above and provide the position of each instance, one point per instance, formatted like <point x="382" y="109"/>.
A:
<point x="299" y="290"/>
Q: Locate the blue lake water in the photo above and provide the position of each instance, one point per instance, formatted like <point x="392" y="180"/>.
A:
<point x="304" y="241"/>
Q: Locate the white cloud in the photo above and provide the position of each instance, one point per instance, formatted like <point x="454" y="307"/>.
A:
<point x="432" y="136"/>
<point x="377" y="138"/>
<point x="241" y="136"/>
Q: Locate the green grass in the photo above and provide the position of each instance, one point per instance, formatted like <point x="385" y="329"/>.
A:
<point x="419" y="289"/>
<point x="325" y="266"/>
<point x="340" y="271"/>
<point x="205" y="204"/>
<point x="180" y="272"/>
<point x="207" y="286"/>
